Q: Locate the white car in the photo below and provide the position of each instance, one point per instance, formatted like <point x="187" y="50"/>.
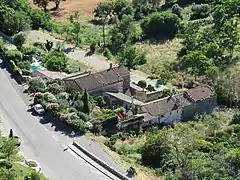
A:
<point x="39" y="109"/>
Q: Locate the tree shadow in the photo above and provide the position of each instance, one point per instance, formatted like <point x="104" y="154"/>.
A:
<point x="68" y="50"/>
<point x="32" y="112"/>
<point x="13" y="76"/>
<point x="59" y="126"/>
<point x="89" y="53"/>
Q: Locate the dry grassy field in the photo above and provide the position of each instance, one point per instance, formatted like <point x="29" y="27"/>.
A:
<point x="85" y="7"/>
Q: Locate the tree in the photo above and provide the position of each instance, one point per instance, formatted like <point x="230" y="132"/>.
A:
<point x="19" y="5"/>
<point x="124" y="31"/>
<point x="41" y="3"/>
<point x="40" y="19"/>
<point x="8" y="147"/>
<point x="19" y="39"/>
<point x="10" y="133"/>
<point x="227" y="85"/>
<point x="85" y="99"/>
<point x="176" y="9"/>
<point x="161" y="25"/>
<point x="49" y="45"/>
<point x="183" y="144"/>
<point x="155" y="152"/>
<point x="76" y="26"/>
<point x="56" y="61"/>
<point x="57" y="4"/>
<point x="12" y="22"/>
<point x="104" y="11"/>
<point x="142" y="84"/>
<point x="130" y="56"/>
<point x="200" y="11"/>
<point x="196" y="63"/>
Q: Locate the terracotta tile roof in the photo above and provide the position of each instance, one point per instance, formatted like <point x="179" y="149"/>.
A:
<point x="91" y="81"/>
<point x="121" y="70"/>
<point x="199" y="93"/>
<point x="181" y="100"/>
<point x="160" y="107"/>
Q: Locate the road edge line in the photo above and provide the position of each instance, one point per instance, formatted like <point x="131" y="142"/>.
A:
<point x="100" y="162"/>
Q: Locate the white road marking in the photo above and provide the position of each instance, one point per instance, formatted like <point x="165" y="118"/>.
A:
<point x="55" y="138"/>
<point x="77" y="157"/>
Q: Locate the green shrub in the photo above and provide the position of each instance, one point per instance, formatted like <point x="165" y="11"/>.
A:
<point x="26" y="72"/>
<point x="161" y="25"/>
<point x="83" y="116"/>
<point x="14" y="55"/>
<point x="107" y="54"/>
<point x="24" y="65"/>
<point x="19" y="39"/>
<point x="93" y="47"/>
<point x="150" y="88"/>
<point x="142" y="84"/>
<point x="49" y="97"/>
<point x="236" y="118"/>
<point x="54" y="88"/>
<point x="15" y="68"/>
<point x="125" y="149"/>
<point x="36" y="84"/>
<point x="78" y="125"/>
<point x="40" y="45"/>
<point x="199" y="11"/>
<point x="29" y="50"/>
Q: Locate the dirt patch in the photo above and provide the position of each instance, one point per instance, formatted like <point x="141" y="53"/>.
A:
<point x="85" y="7"/>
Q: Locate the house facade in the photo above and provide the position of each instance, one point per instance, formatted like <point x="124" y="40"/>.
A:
<point x="179" y="107"/>
<point x="203" y="101"/>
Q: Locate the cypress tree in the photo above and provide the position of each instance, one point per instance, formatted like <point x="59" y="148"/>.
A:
<point x="11" y="133"/>
<point x="85" y="100"/>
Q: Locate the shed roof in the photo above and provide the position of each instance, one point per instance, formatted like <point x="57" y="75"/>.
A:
<point x="199" y="93"/>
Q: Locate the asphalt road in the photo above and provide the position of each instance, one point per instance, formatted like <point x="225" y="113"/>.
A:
<point x="40" y="143"/>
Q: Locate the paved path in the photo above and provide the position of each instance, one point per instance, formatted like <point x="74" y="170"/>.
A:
<point x="42" y="142"/>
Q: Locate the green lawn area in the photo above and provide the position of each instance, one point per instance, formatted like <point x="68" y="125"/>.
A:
<point x="22" y="171"/>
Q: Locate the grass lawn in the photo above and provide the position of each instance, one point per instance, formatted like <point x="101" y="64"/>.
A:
<point x="131" y="159"/>
<point x="22" y="171"/>
<point x="159" y="54"/>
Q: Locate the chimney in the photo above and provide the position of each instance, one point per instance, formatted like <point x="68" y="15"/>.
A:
<point x="132" y="102"/>
<point x="110" y="66"/>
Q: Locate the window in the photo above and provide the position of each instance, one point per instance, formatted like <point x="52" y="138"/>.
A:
<point x="170" y="113"/>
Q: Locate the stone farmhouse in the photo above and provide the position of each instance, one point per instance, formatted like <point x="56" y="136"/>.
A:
<point x="147" y="107"/>
<point x="114" y="79"/>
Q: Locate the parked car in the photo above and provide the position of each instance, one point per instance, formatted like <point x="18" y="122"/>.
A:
<point x="39" y="109"/>
<point x="19" y="141"/>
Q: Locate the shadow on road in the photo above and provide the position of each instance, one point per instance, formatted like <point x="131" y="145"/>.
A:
<point x="59" y="126"/>
<point x="89" y="53"/>
<point x="68" y="50"/>
<point x="33" y="113"/>
<point x="12" y="75"/>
